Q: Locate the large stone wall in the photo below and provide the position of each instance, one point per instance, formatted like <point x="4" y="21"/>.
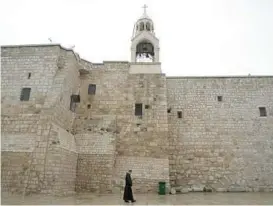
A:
<point x="27" y="126"/>
<point x="14" y="171"/>
<point x="48" y="148"/>
<point x="224" y="144"/>
<point x="117" y="91"/>
<point x="16" y="64"/>
<point x="18" y="141"/>
<point x="95" y="140"/>
<point x="60" y="162"/>
<point x="144" y="138"/>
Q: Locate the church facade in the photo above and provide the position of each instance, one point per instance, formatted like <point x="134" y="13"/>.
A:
<point x="69" y="125"/>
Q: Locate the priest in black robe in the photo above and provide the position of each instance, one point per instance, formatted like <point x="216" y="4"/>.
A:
<point x="128" y="193"/>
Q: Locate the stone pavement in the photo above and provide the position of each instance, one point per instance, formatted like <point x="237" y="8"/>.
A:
<point x="143" y="199"/>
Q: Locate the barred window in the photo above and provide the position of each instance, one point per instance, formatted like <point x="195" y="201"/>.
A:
<point x="138" y="109"/>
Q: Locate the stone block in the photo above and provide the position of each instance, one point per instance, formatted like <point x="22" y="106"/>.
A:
<point x="221" y="190"/>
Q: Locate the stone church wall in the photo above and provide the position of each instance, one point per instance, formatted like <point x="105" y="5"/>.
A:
<point x="26" y="126"/>
<point x="19" y="120"/>
<point x="96" y="150"/>
<point x="116" y="94"/>
<point x="18" y="136"/>
<point x="143" y="140"/>
<point x="47" y="148"/>
<point x="61" y="153"/>
<point x="60" y="162"/>
<point x="17" y="63"/>
<point x="95" y="126"/>
<point x="224" y="144"/>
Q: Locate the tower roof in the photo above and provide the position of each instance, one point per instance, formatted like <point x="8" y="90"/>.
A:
<point x="143" y="24"/>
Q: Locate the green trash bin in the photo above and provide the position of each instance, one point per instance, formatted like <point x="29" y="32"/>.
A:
<point x="162" y="188"/>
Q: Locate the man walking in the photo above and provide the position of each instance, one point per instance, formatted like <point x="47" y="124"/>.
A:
<point x="128" y="193"/>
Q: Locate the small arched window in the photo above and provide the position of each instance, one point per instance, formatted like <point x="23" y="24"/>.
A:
<point x="141" y="26"/>
<point x="148" y="26"/>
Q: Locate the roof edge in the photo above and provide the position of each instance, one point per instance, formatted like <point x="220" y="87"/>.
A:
<point x="42" y="45"/>
<point x="115" y="61"/>
<point x="34" y="45"/>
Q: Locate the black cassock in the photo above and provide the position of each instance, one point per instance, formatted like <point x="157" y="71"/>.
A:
<point x="128" y="193"/>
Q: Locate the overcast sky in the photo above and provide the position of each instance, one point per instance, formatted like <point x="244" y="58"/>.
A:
<point x="197" y="37"/>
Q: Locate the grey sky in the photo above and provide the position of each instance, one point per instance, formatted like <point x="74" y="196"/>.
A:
<point x="197" y="37"/>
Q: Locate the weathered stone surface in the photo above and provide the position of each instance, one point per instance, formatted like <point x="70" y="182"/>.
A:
<point x="221" y="190"/>
<point x="184" y="190"/>
<point x="215" y="143"/>
<point x="220" y="143"/>
<point x="173" y="191"/>
<point x="236" y="188"/>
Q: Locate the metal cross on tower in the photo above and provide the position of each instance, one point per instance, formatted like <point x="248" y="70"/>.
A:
<point x="145" y="7"/>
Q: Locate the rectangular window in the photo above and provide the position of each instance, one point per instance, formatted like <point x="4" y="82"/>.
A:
<point x="262" y="111"/>
<point x="138" y="109"/>
<point x="76" y="98"/>
<point x="92" y="89"/>
<point x="73" y="100"/>
<point x="179" y="114"/>
<point x="29" y="75"/>
<point x="25" y="94"/>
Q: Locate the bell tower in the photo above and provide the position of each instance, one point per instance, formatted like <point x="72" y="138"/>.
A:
<point x="145" y="46"/>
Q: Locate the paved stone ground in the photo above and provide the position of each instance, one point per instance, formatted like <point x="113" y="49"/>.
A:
<point x="151" y="199"/>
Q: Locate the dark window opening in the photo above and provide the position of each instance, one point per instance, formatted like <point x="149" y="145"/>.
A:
<point x="74" y="99"/>
<point x="25" y="94"/>
<point x="147" y="106"/>
<point x="138" y="109"/>
<point x="148" y="26"/>
<point x="220" y="98"/>
<point x="92" y="89"/>
<point x="262" y="111"/>
<point x="169" y="110"/>
<point x="141" y="26"/>
<point x="179" y="114"/>
<point x="88" y="106"/>
<point x="29" y="75"/>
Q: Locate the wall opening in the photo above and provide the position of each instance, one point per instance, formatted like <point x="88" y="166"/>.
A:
<point x="25" y="94"/>
<point x="92" y="89"/>
<point x="138" y="109"/>
<point x="179" y="114"/>
<point x="74" y="99"/>
<point x="147" y="106"/>
<point x="88" y="106"/>
<point x="145" y="52"/>
<point x="29" y="75"/>
<point x="141" y="27"/>
<point x="219" y="98"/>
<point x="262" y="111"/>
<point x="169" y="110"/>
<point x="148" y="26"/>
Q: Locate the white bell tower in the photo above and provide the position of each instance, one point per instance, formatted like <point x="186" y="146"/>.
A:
<point x="144" y="46"/>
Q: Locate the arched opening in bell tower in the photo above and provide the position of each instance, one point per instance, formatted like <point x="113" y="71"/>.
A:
<point x="145" y="51"/>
